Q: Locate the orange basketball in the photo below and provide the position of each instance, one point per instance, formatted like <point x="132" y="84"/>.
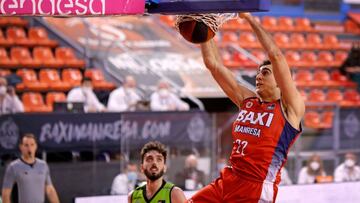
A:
<point x="195" y="31"/>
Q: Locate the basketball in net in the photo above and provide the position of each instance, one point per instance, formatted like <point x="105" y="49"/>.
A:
<point x="200" y="28"/>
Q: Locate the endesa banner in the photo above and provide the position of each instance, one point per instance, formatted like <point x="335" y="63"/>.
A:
<point x="71" y="7"/>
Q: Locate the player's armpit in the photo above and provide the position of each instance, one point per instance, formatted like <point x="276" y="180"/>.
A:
<point x="177" y="195"/>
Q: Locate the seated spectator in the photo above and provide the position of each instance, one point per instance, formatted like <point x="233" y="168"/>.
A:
<point x="85" y="94"/>
<point x="190" y="178"/>
<point x="124" y="98"/>
<point x="9" y="101"/>
<point x="285" y="179"/>
<point x="125" y="181"/>
<point x="165" y="100"/>
<point x="348" y="170"/>
<point x="312" y="170"/>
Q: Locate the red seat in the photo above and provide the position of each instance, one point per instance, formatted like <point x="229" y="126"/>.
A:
<point x="5" y="61"/>
<point x="40" y="37"/>
<point x="322" y="78"/>
<point x="227" y="59"/>
<point x="325" y="59"/>
<point x="303" y="95"/>
<point x="248" y="40"/>
<point x="19" y="37"/>
<point x="242" y="60"/>
<point x="33" y="102"/>
<point x="270" y="23"/>
<point x="72" y="76"/>
<point x="5" y="42"/>
<point x="340" y="57"/>
<point x="45" y="55"/>
<point x="331" y="41"/>
<point x="309" y="59"/>
<point x="303" y="25"/>
<point x="4" y="73"/>
<point x="52" y="78"/>
<point x="168" y="20"/>
<point x="6" y="21"/>
<point x="314" y="41"/>
<point x="23" y="56"/>
<point x="286" y="24"/>
<point x="259" y="54"/>
<point x="30" y="81"/>
<point x="334" y="95"/>
<point x="293" y="58"/>
<point x="229" y="37"/>
<point x="342" y="80"/>
<point x="297" y="41"/>
<point x="68" y="57"/>
<point x="351" y="98"/>
<point x="316" y="95"/>
<point x="98" y="79"/>
<point x="312" y="119"/>
<point x="327" y="119"/>
<point x="282" y="40"/>
<point x="53" y="97"/>
<point x="303" y="78"/>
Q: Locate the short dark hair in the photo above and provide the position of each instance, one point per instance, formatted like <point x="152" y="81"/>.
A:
<point x="265" y="63"/>
<point x="28" y="135"/>
<point x="153" y="145"/>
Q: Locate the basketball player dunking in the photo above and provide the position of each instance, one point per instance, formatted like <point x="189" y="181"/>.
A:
<point x="266" y="127"/>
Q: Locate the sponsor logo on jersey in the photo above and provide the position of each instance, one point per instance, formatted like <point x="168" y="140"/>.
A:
<point x="249" y="104"/>
<point x="255" y="118"/>
<point x="271" y="107"/>
<point x="248" y="130"/>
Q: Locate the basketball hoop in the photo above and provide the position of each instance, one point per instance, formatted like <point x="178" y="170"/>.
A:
<point x="212" y="20"/>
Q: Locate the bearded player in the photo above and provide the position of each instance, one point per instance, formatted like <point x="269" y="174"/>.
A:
<point x="156" y="189"/>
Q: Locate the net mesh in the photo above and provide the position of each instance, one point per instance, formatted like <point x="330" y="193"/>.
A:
<point x="212" y="20"/>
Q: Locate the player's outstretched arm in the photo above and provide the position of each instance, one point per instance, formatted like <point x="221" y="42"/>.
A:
<point x="223" y="76"/>
<point x="290" y="96"/>
<point x="177" y="195"/>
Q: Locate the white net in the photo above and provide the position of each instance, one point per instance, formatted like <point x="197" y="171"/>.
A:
<point x="212" y="20"/>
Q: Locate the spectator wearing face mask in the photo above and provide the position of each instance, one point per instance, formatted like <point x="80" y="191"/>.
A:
<point x="165" y="100"/>
<point x="313" y="169"/>
<point x="191" y="178"/>
<point x="124" y="98"/>
<point x="348" y="170"/>
<point x="126" y="181"/>
<point x="85" y="94"/>
<point x="9" y="101"/>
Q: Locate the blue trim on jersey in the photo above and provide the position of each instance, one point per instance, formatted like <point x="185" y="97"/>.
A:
<point x="287" y="136"/>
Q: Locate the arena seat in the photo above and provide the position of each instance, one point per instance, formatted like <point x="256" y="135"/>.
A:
<point x="52" y="78"/>
<point x="72" y="76"/>
<point x="18" y="36"/>
<point x="68" y="57"/>
<point x="33" y="102"/>
<point x="4" y="42"/>
<point x="52" y="97"/>
<point x="40" y="37"/>
<point x="5" y="61"/>
<point x="312" y="119"/>
<point x="30" y="81"/>
<point x="23" y="56"/>
<point x="45" y="55"/>
<point x="98" y="79"/>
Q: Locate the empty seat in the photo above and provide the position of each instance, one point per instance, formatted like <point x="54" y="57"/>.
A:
<point x="312" y="119"/>
<point x="248" y="40"/>
<point x="334" y="95"/>
<point x="4" y="41"/>
<point x="229" y="37"/>
<point x="259" y="54"/>
<point x="351" y="98"/>
<point x="297" y="41"/>
<point x="30" y="81"/>
<point x="341" y="79"/>
<point x="293" y="58"/>
<point x="33" y="102"/>
<point x="98" y="79"/>
<point x="23" y="56"/>
<point x="52" y="78"/>
<point x="316" y="95"/>
<point x="330" y="41"/>
<point x="309" y="58"/>
<point x="40" y="37"/>
<point x="53" y="97"/>
<point x="340" y="57"/>
<point x="314" y="41"/>
<point x="285" y="23"/>
<point x="270" y="23"/>
<point x="18" y="35"/>
<point x="322" y="78"/>
<point x="325" y="59"/>
<point x="12" y="21"/>
<point x="303" y="25"/>
<point x="241" y="60"/>
<point x="282" y="40"/>
<point x="303" y="78"/>
<point x="68" y="57"/>
<point x="327" y="119"/>
<point x="45" y="55"/>
<point x="5" y="61"/>
<point x="72" y="76"/>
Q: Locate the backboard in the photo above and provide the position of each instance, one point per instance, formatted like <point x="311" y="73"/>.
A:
<point x="206" y="6"/>
<point x="128" y="7"/>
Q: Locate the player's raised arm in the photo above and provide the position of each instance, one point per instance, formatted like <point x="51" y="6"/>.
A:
<point x="290" y="96"/>
<point x="223" y="76"/>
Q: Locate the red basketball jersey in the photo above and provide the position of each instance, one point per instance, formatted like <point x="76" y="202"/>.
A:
<point x="261" y="139"/>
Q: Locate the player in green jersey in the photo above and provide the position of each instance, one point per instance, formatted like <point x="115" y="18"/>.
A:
<point x="156" y="189"/>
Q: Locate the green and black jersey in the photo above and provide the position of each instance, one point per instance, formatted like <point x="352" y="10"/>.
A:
<point x="163" y="195"/>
